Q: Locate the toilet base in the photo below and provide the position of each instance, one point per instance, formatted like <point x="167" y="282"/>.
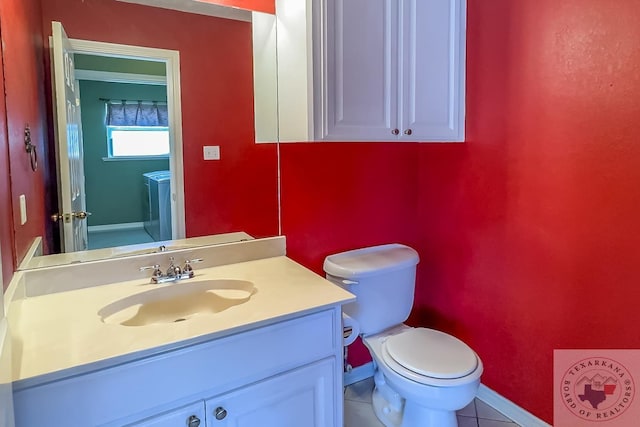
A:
<point x="394" y="411"/>
<point x="388" y="412"/>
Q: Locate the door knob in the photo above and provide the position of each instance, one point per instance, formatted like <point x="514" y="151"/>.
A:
<point x="81" y="214"/>
<point x="193" y="421"/>
<point x="395" y="131"/>
<point x="408" y="132"/>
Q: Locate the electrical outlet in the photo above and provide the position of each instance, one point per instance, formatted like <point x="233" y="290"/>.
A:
<point x="23" y="209"/>
<point x="211" y="152"/>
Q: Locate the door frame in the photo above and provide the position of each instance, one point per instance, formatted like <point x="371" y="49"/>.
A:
<point x="171" y="59"/>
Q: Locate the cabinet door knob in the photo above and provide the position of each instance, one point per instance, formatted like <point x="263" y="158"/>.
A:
<point x="408" y="132"/>
<point x="395" y="131"/>
<point x="193" y="421"/>
<point x="220" y="413"/>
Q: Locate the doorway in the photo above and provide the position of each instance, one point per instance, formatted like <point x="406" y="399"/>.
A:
<point x="150" y="89"/>
<point x="126" y="150"/>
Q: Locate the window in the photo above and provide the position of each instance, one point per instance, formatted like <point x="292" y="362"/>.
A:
<point x="137" y="130"/>
<point x="137" y="141"/>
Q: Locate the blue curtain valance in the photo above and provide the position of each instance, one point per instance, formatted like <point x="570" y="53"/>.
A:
<point x="137" y="114"/>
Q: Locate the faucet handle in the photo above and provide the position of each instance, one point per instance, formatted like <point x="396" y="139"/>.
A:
<point x="155" y="268"/>
<point x="188" y="269"/>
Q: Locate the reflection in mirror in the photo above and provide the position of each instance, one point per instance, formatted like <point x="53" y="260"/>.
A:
<point x="231" y="198"/>
<point x="34" y="258"/>
<point x="126" y="151"/>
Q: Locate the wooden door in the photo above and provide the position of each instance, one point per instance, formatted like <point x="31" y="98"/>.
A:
<point x="72" y="208"/>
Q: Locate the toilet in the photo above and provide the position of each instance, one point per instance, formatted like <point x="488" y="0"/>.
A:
<point x="422" y="376"/>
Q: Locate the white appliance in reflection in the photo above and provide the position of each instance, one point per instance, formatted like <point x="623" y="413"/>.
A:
<point x="157" y="204"/>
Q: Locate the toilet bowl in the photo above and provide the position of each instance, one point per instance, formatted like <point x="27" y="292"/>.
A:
<point x="422" y="376"/>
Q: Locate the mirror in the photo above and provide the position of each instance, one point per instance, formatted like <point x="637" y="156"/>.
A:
<point x="35" y="260"/>
<point x="230" y="199"/>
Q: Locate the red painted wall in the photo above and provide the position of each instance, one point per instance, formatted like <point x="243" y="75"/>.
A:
<point x="533" y="245"/>
<point x="338" y="196"/>
<point x="6" y="214"/>
<point x="238" y="192"/>
<point x="528" y="232"/>
<point x="267" y="6"/>
<point x="23" y="74"/>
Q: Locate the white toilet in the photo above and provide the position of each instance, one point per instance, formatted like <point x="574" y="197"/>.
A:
<point x="422" y="376"/>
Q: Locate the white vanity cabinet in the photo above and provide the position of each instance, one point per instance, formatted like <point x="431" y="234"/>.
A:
<point x="286" y="373"/>
<point x="389" y="70"/>
<point x="302" y="397"/>
<point x="193" y="415"/>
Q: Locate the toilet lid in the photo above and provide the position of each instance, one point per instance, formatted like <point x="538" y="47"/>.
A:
<point x="432" y="353"/>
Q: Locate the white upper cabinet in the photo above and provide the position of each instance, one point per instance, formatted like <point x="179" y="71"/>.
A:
<point x="360" y="79"/>
<point x="388" y="70"/>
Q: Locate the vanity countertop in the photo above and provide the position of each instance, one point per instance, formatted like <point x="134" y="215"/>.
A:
<point x="61" y="334"/>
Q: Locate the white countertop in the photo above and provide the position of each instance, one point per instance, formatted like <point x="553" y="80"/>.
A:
<point x="61" y="334"/>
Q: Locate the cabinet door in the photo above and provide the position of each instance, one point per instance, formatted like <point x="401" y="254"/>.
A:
<point x="189" y="416"/>
<point x="302" y="397"/>
<point x="360" y="77"/>
<point x="432" y="69"/>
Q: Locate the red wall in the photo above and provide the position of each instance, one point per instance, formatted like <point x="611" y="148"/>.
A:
<point x="23" y="74"/>
<point x="238" y="192"/>
<point x="528" y="232"/>
<point x="534" y="242"/>
<point x="6" y="214"/>
<point x="338" y="196"/>
<point x="267" y="6"/>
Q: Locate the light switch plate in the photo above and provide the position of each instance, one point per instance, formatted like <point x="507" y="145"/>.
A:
<point x="23" y="209"/>
<point x="211" y="152"/>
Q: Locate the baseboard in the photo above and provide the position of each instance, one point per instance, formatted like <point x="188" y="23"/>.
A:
<point x="508" y="408"/>
<point x="116" y="227"/>
<point x="358" y="374"/>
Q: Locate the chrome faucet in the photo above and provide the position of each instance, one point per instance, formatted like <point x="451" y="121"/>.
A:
<point x="174" y="272"/>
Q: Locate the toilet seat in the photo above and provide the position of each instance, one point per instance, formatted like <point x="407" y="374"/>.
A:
<point x="430" y="357"/>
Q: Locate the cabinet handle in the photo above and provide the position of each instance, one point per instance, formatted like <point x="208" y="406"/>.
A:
<point x="408" y="132"/>
<point x="395" y="131"/>
<point x="220" y="413"/>
<point x="193" y="421"/>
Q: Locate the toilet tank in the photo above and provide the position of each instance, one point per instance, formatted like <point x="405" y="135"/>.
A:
<point x="383" y="280"/>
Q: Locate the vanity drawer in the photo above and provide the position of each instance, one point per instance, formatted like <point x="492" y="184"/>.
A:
<point x="206" y="369"/>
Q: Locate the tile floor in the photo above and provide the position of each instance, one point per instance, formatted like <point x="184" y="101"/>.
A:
<point x="359" y="413"/>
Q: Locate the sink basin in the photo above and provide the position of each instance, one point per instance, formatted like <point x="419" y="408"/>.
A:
<point x="177" y="302"/>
